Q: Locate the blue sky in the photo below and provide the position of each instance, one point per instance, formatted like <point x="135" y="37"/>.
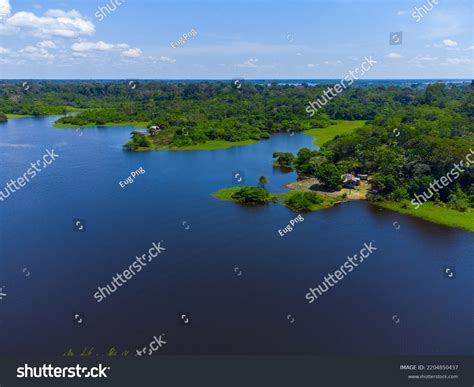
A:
<point x="234" y="39"/>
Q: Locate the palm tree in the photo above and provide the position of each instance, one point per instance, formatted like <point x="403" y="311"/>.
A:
<point x="262" y="180"/>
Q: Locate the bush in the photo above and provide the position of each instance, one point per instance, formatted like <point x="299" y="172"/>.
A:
<point x="303" y="201"/>
<point x="252" y="195"/>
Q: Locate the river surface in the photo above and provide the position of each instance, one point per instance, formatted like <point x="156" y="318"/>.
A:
<point x="396" y="302"/>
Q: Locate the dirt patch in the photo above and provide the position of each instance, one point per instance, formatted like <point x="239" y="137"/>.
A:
<point x="313" y="184"/>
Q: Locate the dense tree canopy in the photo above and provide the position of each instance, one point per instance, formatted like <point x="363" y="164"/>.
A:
<point x="407" y="150"/>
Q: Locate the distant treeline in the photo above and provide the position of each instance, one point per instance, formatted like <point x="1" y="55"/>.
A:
<point x="188" y="114"/>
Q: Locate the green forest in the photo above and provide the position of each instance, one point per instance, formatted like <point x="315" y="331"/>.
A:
<point x="405" y="152"/>
<point x="412" y="135"/>
<point x="185" y="115"/>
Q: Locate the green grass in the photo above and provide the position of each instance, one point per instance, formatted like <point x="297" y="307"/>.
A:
<point x="323" y="135"/>
<point x="226" y="195"/>
<point x="327" y="201"/>
<point x="138" y="124"/>
<point x="11" y="116"/>
<point x="209" y="145"/>
<point x="434" y="213"/>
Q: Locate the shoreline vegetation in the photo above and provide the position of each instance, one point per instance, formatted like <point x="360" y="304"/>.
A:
<point x="401" y="140"/>
<point x="430" y="212"/>
<point x="433" y="213"/>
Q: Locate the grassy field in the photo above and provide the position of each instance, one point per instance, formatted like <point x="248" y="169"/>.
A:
<point x="434" y="213"/>
<point x="210" y="145"/>
<point x="327" y="203"/>
<point x="323" y="135"/>
<point x="11" y="116"/>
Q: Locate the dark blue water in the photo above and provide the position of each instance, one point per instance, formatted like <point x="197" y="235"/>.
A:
<point x="230" y="314"/>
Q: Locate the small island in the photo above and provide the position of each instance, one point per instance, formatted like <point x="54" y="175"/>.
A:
<point x="405" y="148"/>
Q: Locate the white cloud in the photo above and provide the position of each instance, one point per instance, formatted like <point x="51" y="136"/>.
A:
<point x="84" y="49"/>
<point x="450" y="43"/>
<point x="457" y="61"/>
<point x="469" y="48"/>
<point x="393" y="55"/>
<point x="166" y="59"/>
<point x="35" y="53"/>
<point x="132" y="53"/>
<point x="252" y="62"/>
<point x="60" y="13"/>
<point x="54" y="23"/>
<point x="5" y="8"/>
<point x="4" y="50"/>
<point x="401" y="13"/>
<point x="47" y="44"/>
<point x="92" y="46"/>
<point x="311" y="65"/>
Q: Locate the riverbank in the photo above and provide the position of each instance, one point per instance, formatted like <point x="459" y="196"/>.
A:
<point x="13" y="116"/>
<point x="137" y="124"/>
<point x="341" y="127"/>
<point x="210" y="145"/>
<point x="433" y="213"/>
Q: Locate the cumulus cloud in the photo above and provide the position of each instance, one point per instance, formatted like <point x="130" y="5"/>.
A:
<point x="84" y="48"/>
<point x="35" y="53"/>
<point x="166" y="59"/>
<point x="92" y="46"/>
<point x="47" y="44"/>
<point x="252" y="62"/>
<point x="5" y="8"/>
<point x="393" y="55"/>
<point x="450" y="43"/>
<point x="55" y="22"/>
<point x="4" y="50"/>
<point x="132" y="53"/>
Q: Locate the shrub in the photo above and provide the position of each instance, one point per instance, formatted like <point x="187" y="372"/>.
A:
<point x="252" y="195"/>
<point x="303" y="201"/>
